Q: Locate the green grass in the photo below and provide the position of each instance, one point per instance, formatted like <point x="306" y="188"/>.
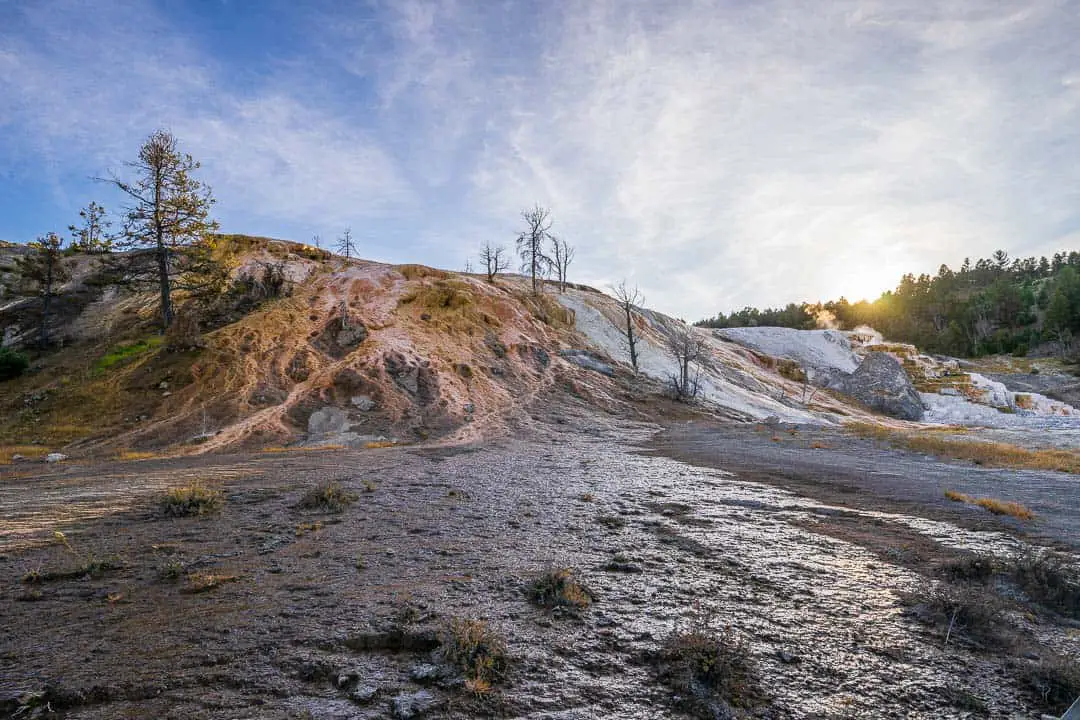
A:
<point x="126" y="351"/>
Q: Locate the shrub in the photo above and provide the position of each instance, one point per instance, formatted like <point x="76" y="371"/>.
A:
<point x="969" y="567"/>
<point x="12" y="363"/>
<point x="558" y="588"/>
<point x="194" y="499"/>
<point x="961" y="613"/>
<point x="1055" y="682"/>
<point x="477" y="650"/>
<point x="1050" y="580"/>
<point x="327" y="497"/>
<point x="711" y="671"/>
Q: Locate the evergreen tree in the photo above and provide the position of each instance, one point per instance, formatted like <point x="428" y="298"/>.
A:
<point x="91" y="234"/>
<point x="169" y="215"/>
<point x="44" y="270"/>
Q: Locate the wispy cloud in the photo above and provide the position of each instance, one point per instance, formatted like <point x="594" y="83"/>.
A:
<point x="717" y="153"/>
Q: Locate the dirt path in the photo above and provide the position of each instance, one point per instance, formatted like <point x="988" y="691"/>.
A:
<point x="334" y="615"/>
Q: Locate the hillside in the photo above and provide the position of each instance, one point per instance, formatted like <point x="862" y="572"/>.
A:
<point x="356" y="353"/>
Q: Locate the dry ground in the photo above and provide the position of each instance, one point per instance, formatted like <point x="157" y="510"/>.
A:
<point x="269" y="610"/>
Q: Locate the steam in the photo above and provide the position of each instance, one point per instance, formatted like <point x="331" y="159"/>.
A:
<point x="826" y="320"/>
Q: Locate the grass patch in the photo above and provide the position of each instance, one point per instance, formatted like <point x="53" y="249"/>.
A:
<point x="91" y="568"/>
<point x="477" y="650"/>
<point x="327" y="497"/>
<point x="710" y="670"/>
<point x="135" y="455"/>
<point x="1002" y="507"/>
<point x="204" y="582"/>
<point x="194" y="499"/>
<point x="126" y="351"/>
<point x="558" y="588"/>
<point x="993" y="505"/>
<point x="30" y="452"/>
<point x="376" y="444"/>
<point x="990" y="454"/>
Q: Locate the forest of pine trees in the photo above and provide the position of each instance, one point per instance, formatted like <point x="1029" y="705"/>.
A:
<point x="996" y="305"/>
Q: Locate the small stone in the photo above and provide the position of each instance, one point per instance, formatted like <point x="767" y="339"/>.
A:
<point x="17" y="457"/>
<point x="411" y="705"/>
<point x="362" y="402"/>
<point x="363" y="694"/>
<point x="426" y="673"/>
<point x="787" y="657"/>
<point x="469" y="408"/>
<point x="55" y="457"/>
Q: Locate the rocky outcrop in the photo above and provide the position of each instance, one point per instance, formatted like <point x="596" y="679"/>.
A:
<point x="881" y="384"/>
<point x="589" y="361"/>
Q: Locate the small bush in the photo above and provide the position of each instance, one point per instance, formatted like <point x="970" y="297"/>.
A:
<point x="477" y="650"/>
<point x="194" y="499"/>
<point x="969" y="614"/>
<point x="711" y="671"/>
<point x="970" y="567"/>
<point x="327" y="497"/>
<point x="1054" y="681"/>
<point x="957" y="496"/>
<point x="12" y="363"/>
<point x="558" y="588"/>
<point x="1050" y="580"/>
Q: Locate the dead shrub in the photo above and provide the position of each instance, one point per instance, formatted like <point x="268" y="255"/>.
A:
<point x="558" y="588"/>
<point x="328" y="497"/>
<point x="710" y="670"/>
<point x="1049" y="579"/>
<point x="968" y="614"/>
<point x="477" y="650"/>
<point x="194" y="499"/>
<point x="969" y="567"/>
<point x="1054" y="681"/>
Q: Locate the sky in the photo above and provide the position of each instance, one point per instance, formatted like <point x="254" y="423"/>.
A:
<point x="714" y="153"/>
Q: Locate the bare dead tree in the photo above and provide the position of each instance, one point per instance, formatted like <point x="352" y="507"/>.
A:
<point x="345" y="244"/>
<point x="686" y="348"/>
<point x="530" y="245"/>
<point x="468" y="266"/>
<point x="495" y="260"/>
<point x="628" y="300"/>
<point x="316" y="241"/>
<point x="562" y="253"/>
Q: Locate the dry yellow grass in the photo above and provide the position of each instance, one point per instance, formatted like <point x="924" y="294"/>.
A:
<point x="957" y="497"/>
<point x="32" y="452"/>
<point x="135" y="455"/>
<point x="995" y="506"/>
<point x="993" y="454"/>
<point x="1003" y="507"/>
<point x="299" y="448"/>
<point x="376" y="444"/>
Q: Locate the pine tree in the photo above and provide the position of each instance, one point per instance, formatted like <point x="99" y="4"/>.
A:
<point x="45" y="269"/>
<point x="90" y="235"/>
<point x="169" y="215"/>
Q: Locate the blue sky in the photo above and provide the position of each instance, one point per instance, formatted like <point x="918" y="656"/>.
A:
<point x="715" y="153"/>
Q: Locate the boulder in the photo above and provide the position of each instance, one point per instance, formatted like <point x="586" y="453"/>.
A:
<point x="55" y="457"/>
<point x="327" y="421"/>
<point x="881" y="384"/>
<point x="362" y="402"/>
<point x="351" y="336"/>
